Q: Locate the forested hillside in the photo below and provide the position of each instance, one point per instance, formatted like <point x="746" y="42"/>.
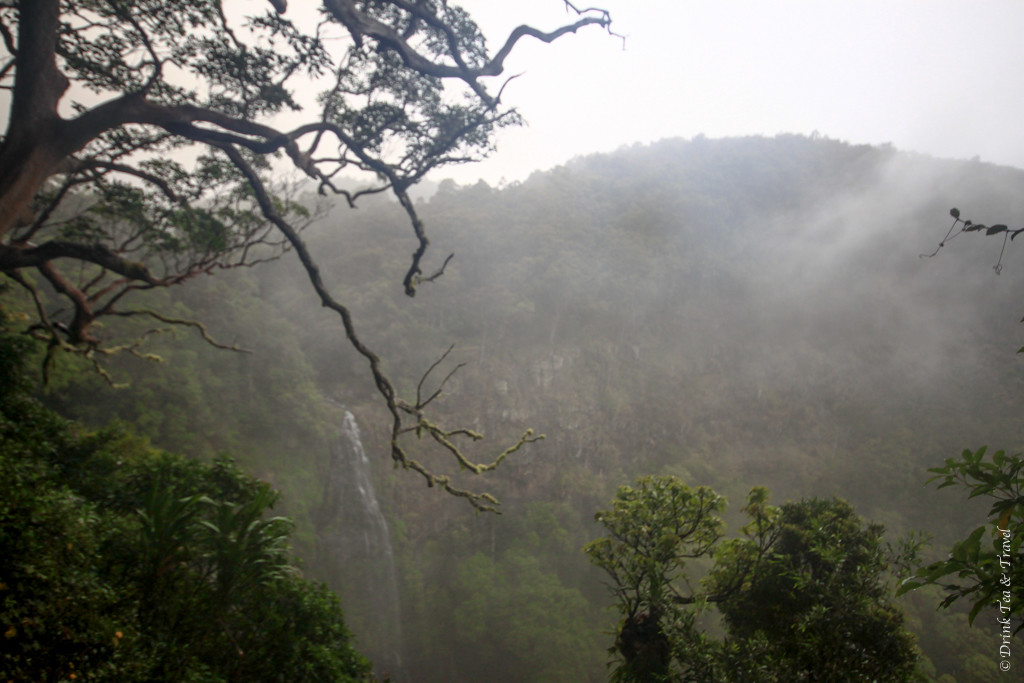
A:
<point x="736" y="313"/>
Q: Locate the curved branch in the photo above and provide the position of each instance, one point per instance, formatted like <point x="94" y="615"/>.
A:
<point x="360" y="25"/>
<point x="77" y="333"/>
<point x="165" y="188"/>
<point x="395" y="406"/>
<point x="183" y="322"/>
<point x="13" y="258"/>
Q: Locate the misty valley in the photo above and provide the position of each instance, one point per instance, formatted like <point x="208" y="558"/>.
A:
<point x="747" y="333"/>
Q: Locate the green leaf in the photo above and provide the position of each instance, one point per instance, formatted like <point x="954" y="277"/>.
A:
<point x="968" y="549"/>
<point x="978" y="606"/>
<point x="909" y="584"/>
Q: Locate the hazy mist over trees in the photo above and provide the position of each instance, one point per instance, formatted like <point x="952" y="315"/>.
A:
<point x="735" y="313"/>
<point x="729" y="410"/>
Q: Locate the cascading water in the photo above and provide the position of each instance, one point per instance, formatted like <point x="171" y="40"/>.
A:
<point x="355" y="537"/>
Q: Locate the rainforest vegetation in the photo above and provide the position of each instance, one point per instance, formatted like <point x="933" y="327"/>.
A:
<point x="194" y="468"/>
<point x="750" y="316"/>
<point x="121" y="562"/>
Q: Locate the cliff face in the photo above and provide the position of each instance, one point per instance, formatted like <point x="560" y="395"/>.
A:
<point x="749" y="307"/>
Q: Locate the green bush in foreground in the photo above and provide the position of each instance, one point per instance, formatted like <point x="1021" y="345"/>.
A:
<point x="122" y="563"/>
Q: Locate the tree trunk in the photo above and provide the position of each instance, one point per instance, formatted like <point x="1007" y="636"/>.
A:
<point x="25" y="164"/>
<point x="30" y="150"/>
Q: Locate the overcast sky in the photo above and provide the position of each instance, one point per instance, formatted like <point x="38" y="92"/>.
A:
<point x="935" y="76"/>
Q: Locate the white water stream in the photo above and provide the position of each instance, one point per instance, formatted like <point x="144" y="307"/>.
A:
<point x="361" y="545"/>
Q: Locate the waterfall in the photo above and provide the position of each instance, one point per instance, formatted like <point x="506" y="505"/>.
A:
<point x="355" y="537"/>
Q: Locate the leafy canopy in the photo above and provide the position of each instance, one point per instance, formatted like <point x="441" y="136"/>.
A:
<point x="801" y="593"/>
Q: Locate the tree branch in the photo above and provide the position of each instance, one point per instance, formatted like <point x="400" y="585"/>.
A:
<point x="182" y="322"/>
<point x="78" y="165"/>
<point x="387" y="112"/>
<point x="12" y="258"/>
<point x="362" y="25"/>
<point x="395" y="406"/>
<point x="961" y="226"/>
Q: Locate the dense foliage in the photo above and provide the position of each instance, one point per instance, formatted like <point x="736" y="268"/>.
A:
<point x="803" y="594"/>
<point x="119" y="562"/>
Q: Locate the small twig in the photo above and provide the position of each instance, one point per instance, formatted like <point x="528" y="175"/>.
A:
<point x="438" y="273"/>
<point x="419" y="387"/>
<point x="203" y="332"/>
<point x="949" y="236"/>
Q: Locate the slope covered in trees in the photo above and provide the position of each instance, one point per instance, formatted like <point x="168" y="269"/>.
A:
<point x="736" y="313"/>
